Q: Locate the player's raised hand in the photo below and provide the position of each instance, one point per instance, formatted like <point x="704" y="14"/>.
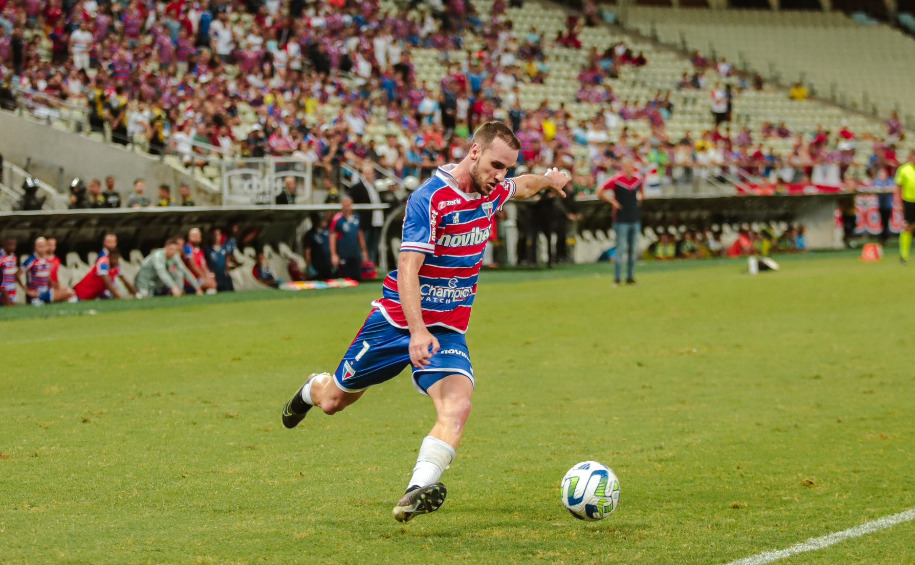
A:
<point x="558" y="179"/>
<point x="423" y="346"/>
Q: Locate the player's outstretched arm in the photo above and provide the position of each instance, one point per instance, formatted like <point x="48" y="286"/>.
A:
<point x="529" y="185"/>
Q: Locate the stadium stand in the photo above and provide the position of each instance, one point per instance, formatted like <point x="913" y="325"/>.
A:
<point x="399" y="86"/>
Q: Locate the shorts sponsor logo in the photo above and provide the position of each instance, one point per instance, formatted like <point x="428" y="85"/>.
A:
<point x="443" y="295"/>
<point x="457" y="352"/>
<point x="474" y="237"/>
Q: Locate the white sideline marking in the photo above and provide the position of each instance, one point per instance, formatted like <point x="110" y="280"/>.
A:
<point x="816" y="544"/>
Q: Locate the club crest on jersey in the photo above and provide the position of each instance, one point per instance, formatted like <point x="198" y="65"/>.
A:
<point x="487" y="208"/>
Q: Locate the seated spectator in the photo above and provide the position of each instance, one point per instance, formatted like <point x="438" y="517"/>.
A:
<point x="138" y="199"/>
<point x="743" y="246"/>
<point x="688" y="248"/>
<point x="798" y="92"/>
<point x="163" y="272"/>
<point x="165" y="196"/>
<point x="99" y="282"/>
<point x="184" y="192"/>
<point x="665" y="248"/>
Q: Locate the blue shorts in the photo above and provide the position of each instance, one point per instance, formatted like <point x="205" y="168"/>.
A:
<point x="381" y="351"/>
<point x="46" y="296"/>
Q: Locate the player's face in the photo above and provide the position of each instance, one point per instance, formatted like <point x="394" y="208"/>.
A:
<point x="9" y="246"/>
<point x="111" y="242"/>
<point x="491" y="165"/>
<point x="41" y="247"/>
<point x="171" y="249"/>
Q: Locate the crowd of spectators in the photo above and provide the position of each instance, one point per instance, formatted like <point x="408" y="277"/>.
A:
<point x="705" y="243"/>
<point x="179" y="75"/>
<point x="92" y="195"/>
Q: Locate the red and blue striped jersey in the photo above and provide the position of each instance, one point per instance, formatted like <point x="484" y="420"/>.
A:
<point x="451" y="227"/>
<point x="38" y="273"/>
<point x="9" y="266"/>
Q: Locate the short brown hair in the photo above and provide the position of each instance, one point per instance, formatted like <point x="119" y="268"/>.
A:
<point x="490" y="131"/>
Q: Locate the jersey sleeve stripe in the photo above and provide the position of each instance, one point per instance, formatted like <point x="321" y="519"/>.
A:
<point x="420" y="247"/>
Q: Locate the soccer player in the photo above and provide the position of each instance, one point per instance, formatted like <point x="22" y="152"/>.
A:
<point x="425" y="306"/>
<point x="99" y="281"/>
<point x="905" y="180"/>
<point x="40" y="288"/>
<point x="9" y="271"/>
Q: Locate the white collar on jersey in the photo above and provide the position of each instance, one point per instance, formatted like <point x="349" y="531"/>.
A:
<point x="444" y="174"/>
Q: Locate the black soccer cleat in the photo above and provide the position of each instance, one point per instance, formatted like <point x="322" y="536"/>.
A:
<point x="420" y="500"/>
<point x="296" y="409"/>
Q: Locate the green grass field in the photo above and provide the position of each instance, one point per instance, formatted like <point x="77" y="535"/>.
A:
<point x="742" y="414"/>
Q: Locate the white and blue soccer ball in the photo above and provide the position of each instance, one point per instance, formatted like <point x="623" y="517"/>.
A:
<point x="590" y="491"/>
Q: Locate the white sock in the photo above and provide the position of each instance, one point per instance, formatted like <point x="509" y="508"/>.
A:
<point x="434" y="457"/>
<point x="306" y="390"/>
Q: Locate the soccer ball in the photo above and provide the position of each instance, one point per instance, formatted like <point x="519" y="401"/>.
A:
<point x="590" y="491"/>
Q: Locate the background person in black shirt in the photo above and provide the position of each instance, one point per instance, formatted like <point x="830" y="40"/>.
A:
<point x="625" y="193"/>
<point x="112" y="196"/>
<point x="316" y="248"/>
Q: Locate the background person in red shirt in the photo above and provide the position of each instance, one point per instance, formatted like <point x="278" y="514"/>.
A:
<point x="99" y="281"/>
<point x="195" y="260"/>
<point x="625" y="193"/>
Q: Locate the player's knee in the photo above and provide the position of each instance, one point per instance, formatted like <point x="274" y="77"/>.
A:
<point x="331" y="406"/>
<point x="457" y="411"/>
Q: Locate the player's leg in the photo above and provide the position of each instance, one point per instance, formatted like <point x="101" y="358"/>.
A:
<point x="621" y="250"/>
<point x="905" y="238"/>
<point x="633" y="245"/>
<point x="449" y="383"/>
<point x="378" y="353"/>
<point x="451" y="397"/>
<point x="326" y="395"/>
